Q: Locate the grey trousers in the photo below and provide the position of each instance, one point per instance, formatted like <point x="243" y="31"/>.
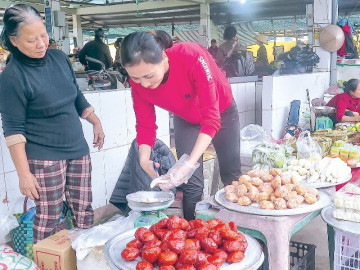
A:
<point x="227" y="145"/>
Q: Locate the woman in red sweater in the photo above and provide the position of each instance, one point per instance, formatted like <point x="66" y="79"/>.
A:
<point x="347" y="104"/>
<point x="184" y="79"/>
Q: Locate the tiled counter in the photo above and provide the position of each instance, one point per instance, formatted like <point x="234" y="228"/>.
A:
<point x="116" y="113"/>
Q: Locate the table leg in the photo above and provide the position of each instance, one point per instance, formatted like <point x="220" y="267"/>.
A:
<point x="331" y="245"/>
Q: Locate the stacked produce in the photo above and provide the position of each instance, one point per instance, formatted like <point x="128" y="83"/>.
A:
<point x="346" y="150"/>
<point x="348" y="126"/>
<point x="325" y="144"/>
<point x="175" y="243"/>
<point x="347" y="202"/>
<point x="271" y="189"/>
<point x="327" y="169"/>
<point x="334" y="135"/>
<point x="270" y="155"/>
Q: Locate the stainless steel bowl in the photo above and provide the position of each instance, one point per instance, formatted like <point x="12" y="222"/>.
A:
<point x="150" y="200"/>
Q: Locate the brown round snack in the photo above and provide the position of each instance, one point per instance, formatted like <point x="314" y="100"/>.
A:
<point x="252" y="193"/>
<point x="235" y="183"/>
<point x="244" y="179"/>
<point x="262" y="196"/>
<point x="290" y="195"/>
<point x="276" y="182"/>
<point x="290" y="187"/>
<point x="254" y="173"/>
<point x="310" y="198"/>
<point x="241" y="190"/>
<point x="267" y="205"/>
<point x="275" y="172"/>
<point x="280" y="203"/>
<point x="256" y="181"/>
<point x="272" y="197"/>
<point x="312" y="190"/>
<point x="295" y="179"/>
<point x="281" y="192"/>
<point x="230" y="188"/>
<point x="301" y="190"/>
<point x="244" y="201"/>
<point x="230" y="196"/>
<point x="248" y="185"/>
<point x="267" y="177"/>
<point x="292" y="203"/>
<point x="300" y="199"/>
<point x="285" y="179"/>
<point x="266" y="188"/>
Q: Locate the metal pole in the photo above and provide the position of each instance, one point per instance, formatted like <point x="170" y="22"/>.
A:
<point x="333" y="55"/>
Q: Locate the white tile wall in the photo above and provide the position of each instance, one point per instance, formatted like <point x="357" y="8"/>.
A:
<point x="347" y="72"/>
<point x="114" y="108"/>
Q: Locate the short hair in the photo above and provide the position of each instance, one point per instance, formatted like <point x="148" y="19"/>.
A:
<point x="213" y="40"/>
<point x="99" y="33"/>
<point x="351" y="85"/>
<point x="230" y="32"/>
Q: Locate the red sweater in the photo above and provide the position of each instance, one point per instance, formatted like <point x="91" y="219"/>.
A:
<point x="343" y="102"/>
<point x="196" y="90"/>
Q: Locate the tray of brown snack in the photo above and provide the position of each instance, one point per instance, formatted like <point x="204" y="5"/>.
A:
<point x="271" y="193"/>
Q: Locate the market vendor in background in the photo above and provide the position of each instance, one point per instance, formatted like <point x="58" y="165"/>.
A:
<point x="347" y="104"/>
<point x="184" y="79"/>
<point x="40" y="106"/>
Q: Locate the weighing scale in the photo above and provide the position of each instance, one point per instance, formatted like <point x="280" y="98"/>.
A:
<point x="150" y="204"/>
<point x="323" y="120"/>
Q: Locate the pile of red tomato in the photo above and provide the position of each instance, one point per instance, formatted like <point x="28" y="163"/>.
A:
<point x="175" y="243"/>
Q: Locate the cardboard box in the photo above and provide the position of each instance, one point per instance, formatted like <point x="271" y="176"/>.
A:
<point x="55" y="253"/>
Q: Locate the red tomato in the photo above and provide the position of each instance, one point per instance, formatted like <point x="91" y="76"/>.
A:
<point x="191" y="233"/>
<point x="200" y="223"/>
<point x="144" y="266"/>
<point x="201" y="257"/>
<point x="191" y="224"/>
<point x="212" y="223"/>
<point x="140" y="232"/>
<point x="174" y="223"/>
<point x="197" y="243"/>
<point x="162" y="224"/>
<point x="216" y="236"/>
<point x="236" y="256"/>
<point x="166" y="267"/>
<point x="188" y="256"/>
<point x="148" y="236"/>
<point x="229" y="234"/>
<point x="159" y="232"/>
<point x="222" y="254"/>
<point x="184" y="224"/>
<point x="130" y="254"/>
<point x="177" y="234"/>
<point x="190" y="244"/>
<point x="134" y="244"/>
<point x="176" y="245"/>
<point x="208" y="245"/>
<point x="233" y="226"/>
<point x="207" y="266"/>
<point x="202" y="232"/>
<point x="215" y="260"/>
<point x="231" y="246"/>
<point x="166" y="236"/>
<point x="167" y="258"/>
<point x="164" y="247"/>
<point x="187" y="267"/>
<point x="153" y="243"/>
<point x="151" y="254"/>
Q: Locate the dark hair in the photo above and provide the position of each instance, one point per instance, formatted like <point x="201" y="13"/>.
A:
<point x="118" y="41"/>
<point x="14" y="18"/>
<point x="99" y="33"/>
<point x="51" y="41"/>
<point x="230" y="32"/>
<point x="213" y="40"/>
<point x="144" y="46"/>
<point x="350" y="85"/>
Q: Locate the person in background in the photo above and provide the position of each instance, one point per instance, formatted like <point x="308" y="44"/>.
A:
<point x="213" y="48"/>
<point x="231" y="45"/>
<point x="293" y="53"/>
<point x="347" y="104"/>
<point x="96" y="49"/>
<point x="117" y="45"/>
<point x="262" y="62"/>
<point x="184" y="79"/>
<point x="52" y="44"/>
<point x="41" y="106"/>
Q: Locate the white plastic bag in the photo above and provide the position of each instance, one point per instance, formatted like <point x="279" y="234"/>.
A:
<point x="251" y="136"/>
<point x="7" y="223"/>
<point x="307" y="147"/>
<point x="9" y="259"/>
<point x="84" y="240"/>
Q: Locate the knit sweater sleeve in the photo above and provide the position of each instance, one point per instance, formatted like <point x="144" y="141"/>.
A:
<point x="80" y="102"/>
<point x="13" y="102"/>
<point x="340" y="108"/>
<point x="208" y="95"/>
<point x="145" y="118"/>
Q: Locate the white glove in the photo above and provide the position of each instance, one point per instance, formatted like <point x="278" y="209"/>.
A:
<point x="178" y="174"/>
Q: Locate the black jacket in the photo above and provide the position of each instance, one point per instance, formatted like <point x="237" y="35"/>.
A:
<point x="133" y="178"/>
<point x="96" y="49"/>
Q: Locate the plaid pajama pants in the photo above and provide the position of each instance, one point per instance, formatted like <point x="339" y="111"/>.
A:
<point x="56" y="178"/>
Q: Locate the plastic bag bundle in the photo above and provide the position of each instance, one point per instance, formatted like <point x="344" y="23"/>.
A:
<point x="270" y="155"/>
<point x="307" y="147"/>
<point x="250" y="137"/>
<point x="7" y="223"/>
<point x="9" y="259"/>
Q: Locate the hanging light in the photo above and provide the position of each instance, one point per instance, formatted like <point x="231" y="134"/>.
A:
<point x="242" y="1"/>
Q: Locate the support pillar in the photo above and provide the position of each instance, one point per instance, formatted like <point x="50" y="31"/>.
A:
<point x="77" y="30"/>
<point x="205" y="25"/>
